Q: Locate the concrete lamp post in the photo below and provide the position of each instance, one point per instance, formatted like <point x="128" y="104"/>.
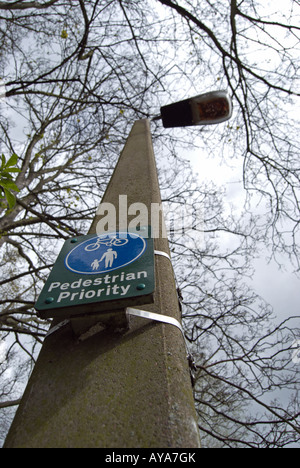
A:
<point x="113" y="370"/>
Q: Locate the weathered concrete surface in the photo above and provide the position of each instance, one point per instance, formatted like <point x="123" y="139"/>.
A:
<point x="115" y="389"/>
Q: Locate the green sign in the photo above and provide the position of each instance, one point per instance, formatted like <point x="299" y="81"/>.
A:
<point x="104" y="272"/>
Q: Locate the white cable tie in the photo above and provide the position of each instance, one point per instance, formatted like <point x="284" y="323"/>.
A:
<point x="163" y="254"/>
<point x="57" y="327"/>
<point x="157" y="317"/>
<point x="172" y="321"/>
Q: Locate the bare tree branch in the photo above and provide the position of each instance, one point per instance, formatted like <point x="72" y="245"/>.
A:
<point x="21" y="5"/>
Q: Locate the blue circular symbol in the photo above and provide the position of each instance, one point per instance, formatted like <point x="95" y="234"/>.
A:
<point x="105" y="253"/>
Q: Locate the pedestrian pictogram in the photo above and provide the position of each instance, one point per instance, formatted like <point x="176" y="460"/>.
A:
<point x="109" y="257"/>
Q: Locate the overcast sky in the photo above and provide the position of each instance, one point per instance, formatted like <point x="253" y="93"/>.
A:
<point x="280" y="288"/>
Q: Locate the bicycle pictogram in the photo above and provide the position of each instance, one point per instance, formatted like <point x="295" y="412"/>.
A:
<point x="108" y="242"/>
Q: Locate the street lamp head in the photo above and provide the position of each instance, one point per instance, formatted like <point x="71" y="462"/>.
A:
<point x="206" y="109"/>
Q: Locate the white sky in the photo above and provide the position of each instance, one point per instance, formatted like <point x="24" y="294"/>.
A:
<point x="280" y="288"/>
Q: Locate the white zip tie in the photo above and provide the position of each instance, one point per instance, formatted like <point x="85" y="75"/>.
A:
<point x="163" y="254"/>
<point x="157" y="318"/>
<point x="172" y="321"/>
<point x="57" y="327"/>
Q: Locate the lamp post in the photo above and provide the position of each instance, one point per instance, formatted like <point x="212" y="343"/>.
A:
<point x="112" y="373"/>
